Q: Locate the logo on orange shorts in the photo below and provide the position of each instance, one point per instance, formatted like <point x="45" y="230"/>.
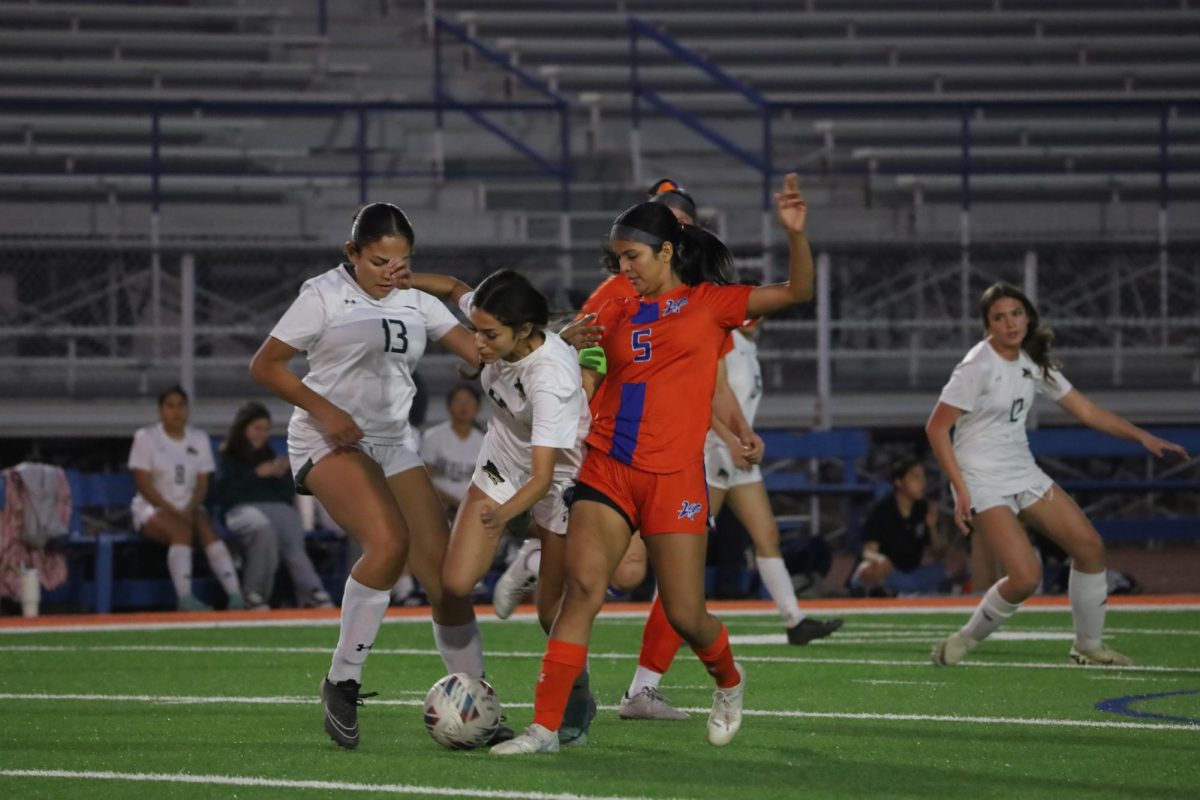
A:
<point x="689" y="510"/>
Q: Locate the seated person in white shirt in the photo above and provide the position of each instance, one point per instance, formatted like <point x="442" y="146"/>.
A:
<point x="171" y="463"/>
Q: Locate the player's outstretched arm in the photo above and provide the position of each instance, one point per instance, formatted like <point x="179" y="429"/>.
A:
<point x="1079" y="406"/>
<point x="447" y="287"/>
<point x="793" y="216"/>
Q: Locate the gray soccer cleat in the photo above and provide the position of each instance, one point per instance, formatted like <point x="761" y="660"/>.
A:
<point x="649" y="703"/>
<point x="517" y="581"/>
<point x="535" y="739"/>
<point x="952" y="649"/>
<point x="1102" y="656"/>
<point x="726" y="716"/>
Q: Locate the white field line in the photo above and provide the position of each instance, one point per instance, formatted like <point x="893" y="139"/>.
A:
<point x="1139" y="678"/>
<point x="532" y="654"/>
<point x="528" y="616"/>
<point x="279" y="783"/>
<point x="899" y="683"/>
<point x="294" y="700"/>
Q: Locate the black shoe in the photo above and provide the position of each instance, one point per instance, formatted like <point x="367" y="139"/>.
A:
<point x="502" y="734"/>
<point x="341" y="702"/>
<point x="809" y="629"/>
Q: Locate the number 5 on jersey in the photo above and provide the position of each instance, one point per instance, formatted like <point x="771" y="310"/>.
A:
<point x="641" y="345"/>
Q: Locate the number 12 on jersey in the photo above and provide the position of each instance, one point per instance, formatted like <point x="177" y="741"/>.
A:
<point x="641" y="345"/>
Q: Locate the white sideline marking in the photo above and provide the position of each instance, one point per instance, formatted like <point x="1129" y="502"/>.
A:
<point x="294" y="700"/>
<point x="1139" y="678"/>
<point x="529" y="616"/>
<point x="899" y="683"/>
<point x="279" y="783"/>
<point x="396" y="651"/>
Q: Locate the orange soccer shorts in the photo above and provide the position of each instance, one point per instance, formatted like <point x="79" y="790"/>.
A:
<point x="675" y="502"/>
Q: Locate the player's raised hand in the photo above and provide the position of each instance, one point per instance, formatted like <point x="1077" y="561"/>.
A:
<point x="792" y="208"/>
<point x="582" y="333"/>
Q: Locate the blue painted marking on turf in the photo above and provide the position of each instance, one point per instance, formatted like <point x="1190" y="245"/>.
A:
<point x="1123" y="705"/>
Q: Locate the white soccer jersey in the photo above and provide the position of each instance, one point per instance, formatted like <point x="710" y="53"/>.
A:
<point x="539" y="402"/>
<point x="174" y="464"/>
<point x="989" y="439"/>
<point x="451" y="460"/>
<point x="362" y="351"/>
<point x="744" y="374"/>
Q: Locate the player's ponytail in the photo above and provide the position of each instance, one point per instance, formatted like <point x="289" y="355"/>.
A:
<point x="377" y="221"/>
<point x="1038" y="337"/>
<point x="697" y="256"/>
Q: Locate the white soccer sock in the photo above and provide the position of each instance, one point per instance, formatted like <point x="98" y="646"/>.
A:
<point x="179" y="564"/>
<point x="362" y="614"/>
<point x="533" y="561"/>
<point x="222" y="566"/>
<point x="404" y="587"/>
<point x="989" y="615"/>
<point x="642" y="679"/>
<point x="775" y="577"/>
<point x="1089" y="603"/>
<point x="461" y="647"/>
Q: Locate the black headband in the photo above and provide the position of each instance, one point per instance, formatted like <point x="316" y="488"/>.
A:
<point x="624" y="233"/>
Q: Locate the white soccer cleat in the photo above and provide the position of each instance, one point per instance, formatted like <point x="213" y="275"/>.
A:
<point x="535" y="739"/>
<point x="952" y="649"/>
<point x="726" y="716"/>
<point x="517" y="581"/>
<point x="649" y="703"/>
<point x="1102" y="656"/>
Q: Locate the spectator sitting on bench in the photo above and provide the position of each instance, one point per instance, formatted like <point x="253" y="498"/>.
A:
<point x="898" y="533"/>
<point x="256" y="491"/>
<point x="171" y="463"/>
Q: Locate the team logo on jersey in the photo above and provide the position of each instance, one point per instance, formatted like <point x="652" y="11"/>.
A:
<point x="1026" y="372"/>
<point x="191" y="451"/>
<point x="492" y="472"/>
<point x="689" y="510"/>
<point x="674" y="306"/>
<point x="350" y="301"/>
<point x="520" y="389"/>
<point x="497" y="400"/>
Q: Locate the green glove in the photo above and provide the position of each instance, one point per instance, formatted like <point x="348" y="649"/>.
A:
<point x="593" y="358"/>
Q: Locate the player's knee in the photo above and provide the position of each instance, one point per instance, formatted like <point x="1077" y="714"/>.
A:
<point x="629" y="575"/>
<point x="1088" y="553"/>
<point x="686" y="618"/>
<point x="387" y="551"/>
<point x="1024" y="581"/>
<point x="585" y="593"/>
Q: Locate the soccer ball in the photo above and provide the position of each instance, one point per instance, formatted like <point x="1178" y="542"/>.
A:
<point x="461" y="712"/>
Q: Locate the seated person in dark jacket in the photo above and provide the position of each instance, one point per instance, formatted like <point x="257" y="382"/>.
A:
<point x="255" y="489"/>
<point x="902" y="548"/>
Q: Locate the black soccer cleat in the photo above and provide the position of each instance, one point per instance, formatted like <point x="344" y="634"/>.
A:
<point x="341" y="701"/>
<point x="503" y="732"/>
<point x="809" y="629"/>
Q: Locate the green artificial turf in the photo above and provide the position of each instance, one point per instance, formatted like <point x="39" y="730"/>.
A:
<point x="773" y="756"/>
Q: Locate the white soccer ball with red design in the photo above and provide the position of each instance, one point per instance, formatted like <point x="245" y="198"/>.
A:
<point x="461" y="712"/>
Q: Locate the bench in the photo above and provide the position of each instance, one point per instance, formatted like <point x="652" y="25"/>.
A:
<point x="93" y="542"/>
<point x="1053" y="446"/>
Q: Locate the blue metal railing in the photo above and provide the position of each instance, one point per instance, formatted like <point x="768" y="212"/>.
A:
<point x="155" y="109"/>
<point x="763" y="161"/>
<point x="560" y="169"/>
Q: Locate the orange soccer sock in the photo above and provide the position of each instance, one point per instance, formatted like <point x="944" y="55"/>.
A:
<point x="718" y="660"/>
<point x="660" y="642"/>
<point x="561" y="665"/>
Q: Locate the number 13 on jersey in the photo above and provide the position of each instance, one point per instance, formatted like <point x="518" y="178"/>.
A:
<point x="641" y="345"/>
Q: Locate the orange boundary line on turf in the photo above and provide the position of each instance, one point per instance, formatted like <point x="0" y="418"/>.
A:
<point x="765" y="606"/>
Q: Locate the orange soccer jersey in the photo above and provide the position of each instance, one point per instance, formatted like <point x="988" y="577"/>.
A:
<point x="615" y="287"/>
<point x="662" y="356"/>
